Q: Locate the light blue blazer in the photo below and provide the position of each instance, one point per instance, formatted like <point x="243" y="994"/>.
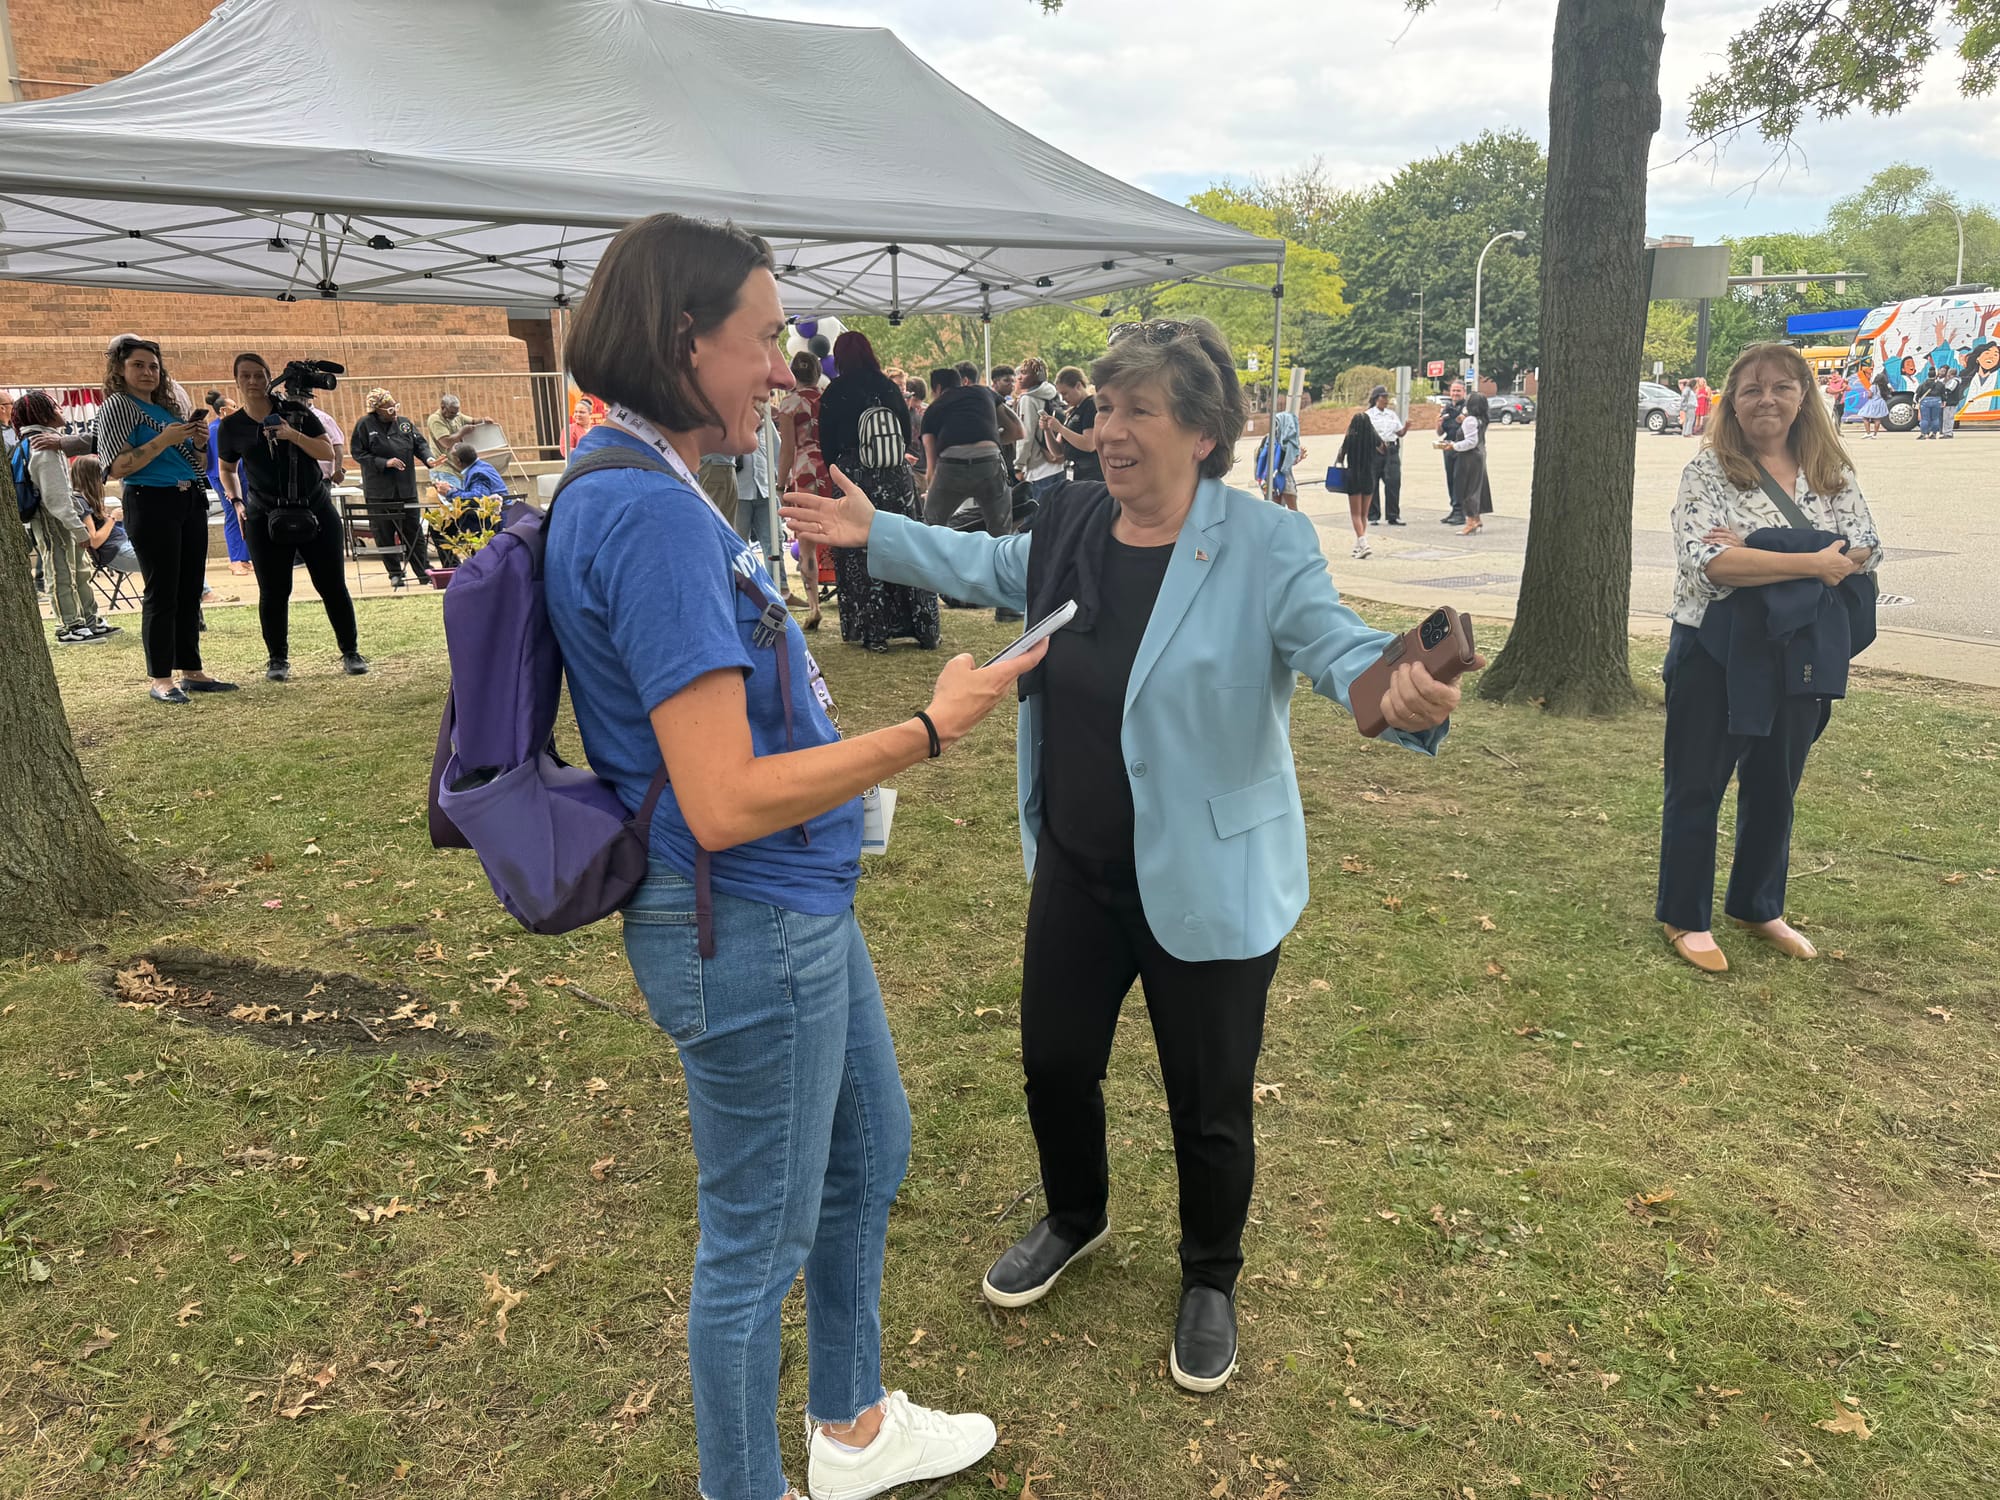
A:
<point x="1220" y="835"/>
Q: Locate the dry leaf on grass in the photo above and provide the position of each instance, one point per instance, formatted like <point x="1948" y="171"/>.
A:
<point x="104" y="1339"/>
<point x="1608" y="1378"/>
<point x="501" y="980"/>
<point x="40" y="1183"/>
<point x="503" y="1300"/>
<point x="1392" y="903"/>
<point x="637" y="1404"/>
<point x="375" y="1213"/>
<point x="601" y="1168"/>
<point x="1847" y="1421"/>
<point x="1487" y="924"/>
<point x="188" y="1313"/>
<point x="595" y="1086"/>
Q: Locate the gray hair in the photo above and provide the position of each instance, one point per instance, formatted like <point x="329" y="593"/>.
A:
<point x="447" y="399"/>
<point x="1198" y="373"/>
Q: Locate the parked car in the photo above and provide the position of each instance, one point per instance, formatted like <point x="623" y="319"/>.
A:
<point x="1659" y="407"/>
<point x="1509" y="408"/>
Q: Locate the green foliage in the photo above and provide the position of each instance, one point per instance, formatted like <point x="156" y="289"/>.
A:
<point x="1832" y="56"/>
<point x="1898" y="229"/>
<point x="1421" y="232"/>
<point x="1669" y="338"/>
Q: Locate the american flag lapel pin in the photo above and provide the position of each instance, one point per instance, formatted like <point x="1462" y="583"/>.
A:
<point x="1199" y="555"/>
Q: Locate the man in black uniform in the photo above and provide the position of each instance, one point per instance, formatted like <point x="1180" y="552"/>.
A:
<point x="1451" y="429"/>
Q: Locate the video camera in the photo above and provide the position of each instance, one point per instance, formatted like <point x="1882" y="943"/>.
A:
<point x="299" y="379"/>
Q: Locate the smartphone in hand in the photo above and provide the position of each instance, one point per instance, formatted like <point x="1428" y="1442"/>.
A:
<point x="1047" y="626"/>
<point x="1442" y="642"/>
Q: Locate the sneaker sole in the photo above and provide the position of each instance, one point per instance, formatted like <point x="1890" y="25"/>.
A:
<point x="1200" y="1385"/>
<point x="1035" y="1294"/>
<point x="881" y="1485"/>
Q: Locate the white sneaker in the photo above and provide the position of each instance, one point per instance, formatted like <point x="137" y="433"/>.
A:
<point x="1361" y="548"/>
<point x="915" y="1443"/>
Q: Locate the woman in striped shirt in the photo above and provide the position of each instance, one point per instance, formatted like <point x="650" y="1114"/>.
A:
<point x="147" y="438"/>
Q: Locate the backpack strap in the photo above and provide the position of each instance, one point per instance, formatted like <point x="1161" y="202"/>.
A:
<point x="617" y="456"/>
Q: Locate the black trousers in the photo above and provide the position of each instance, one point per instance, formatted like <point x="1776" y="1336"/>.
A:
<point x="168" y="529"/>
<point x="394" y="523"/>
<point x="1451" y="479"/>
<point x="1087" y="941"/>
<point x="1388" y="486"/>
<point x="325" y="566"/>
<point x="1701" y="756"/>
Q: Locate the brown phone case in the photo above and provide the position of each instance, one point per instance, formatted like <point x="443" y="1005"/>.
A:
<point x="1442" y="642"/>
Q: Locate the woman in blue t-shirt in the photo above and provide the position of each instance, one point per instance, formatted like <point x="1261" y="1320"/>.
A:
<point x="678" y="650"/>
<point x="147" y="438"/>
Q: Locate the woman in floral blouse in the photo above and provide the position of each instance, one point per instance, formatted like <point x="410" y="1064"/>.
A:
<point x="1768" y="424"/>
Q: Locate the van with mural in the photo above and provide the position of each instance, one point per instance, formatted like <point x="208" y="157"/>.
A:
<point x="1952" y="340"/>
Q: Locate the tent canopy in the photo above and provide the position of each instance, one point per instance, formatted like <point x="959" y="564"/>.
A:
<point x="483" y="151"/>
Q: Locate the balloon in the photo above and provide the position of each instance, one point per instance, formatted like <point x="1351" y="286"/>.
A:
<point x="807" y="327"/>
<point x="814" y="335"/>
<point x="826" y="364"/>
<point x="820" y="345"/>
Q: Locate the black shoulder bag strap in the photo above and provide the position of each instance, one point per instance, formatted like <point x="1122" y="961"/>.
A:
<point x="1787" y="506"/>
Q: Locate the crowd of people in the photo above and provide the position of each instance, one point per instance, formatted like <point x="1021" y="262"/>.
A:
<point x="272" y="464"/>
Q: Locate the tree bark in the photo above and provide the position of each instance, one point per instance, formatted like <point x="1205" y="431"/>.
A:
<point x="1569" y="647"/>
<point x="58" y="865"/>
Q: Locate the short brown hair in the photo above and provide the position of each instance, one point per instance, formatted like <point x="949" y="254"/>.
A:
<point x="1070" y="376"/>
<point x="1813" y="439"/>
<point x="1198" y="373"/>
<point x="662" y="282"/>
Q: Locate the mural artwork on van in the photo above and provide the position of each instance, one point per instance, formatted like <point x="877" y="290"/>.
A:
<point x="1951" y="343"/>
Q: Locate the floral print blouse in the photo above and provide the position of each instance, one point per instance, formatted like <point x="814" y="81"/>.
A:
<point x="1708" y="499"/>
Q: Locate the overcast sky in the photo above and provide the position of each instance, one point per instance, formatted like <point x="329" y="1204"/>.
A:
<point x="1176" y="94"/>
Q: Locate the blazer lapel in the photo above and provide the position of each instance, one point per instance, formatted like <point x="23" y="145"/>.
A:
<point x="1195" y="553"/>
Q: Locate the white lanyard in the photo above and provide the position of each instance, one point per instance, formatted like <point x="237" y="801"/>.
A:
<point x="652" y="437"/>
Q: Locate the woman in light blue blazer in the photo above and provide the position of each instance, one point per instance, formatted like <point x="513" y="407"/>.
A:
<point x="1160" y="811"/>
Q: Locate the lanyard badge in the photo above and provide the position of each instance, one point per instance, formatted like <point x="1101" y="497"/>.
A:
<point x="770" y="625"/>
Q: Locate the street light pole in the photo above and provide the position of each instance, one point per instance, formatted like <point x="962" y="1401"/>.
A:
<point x="1478" y="285"/>
<point x="1958" y="278"/>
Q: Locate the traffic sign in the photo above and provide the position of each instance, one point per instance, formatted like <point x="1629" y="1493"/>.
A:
<point x="1434" y="369"/>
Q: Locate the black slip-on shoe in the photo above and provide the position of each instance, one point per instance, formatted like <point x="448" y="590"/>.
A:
<point x="1204" y="1352"/>
<point x="167" y="695"/>
<point x="1456" y="518"/>
<point x="1032" y="1263"/>
<point x="354" y="664"/>
<point x="206" y="685"/>
<point x="277" y="670"/>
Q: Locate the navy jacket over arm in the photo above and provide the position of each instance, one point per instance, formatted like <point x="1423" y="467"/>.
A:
<point x="1790" y="639"/>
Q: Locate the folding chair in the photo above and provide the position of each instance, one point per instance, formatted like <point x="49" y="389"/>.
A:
<point x="357" y="533"/>
<point x="113" y="586"/>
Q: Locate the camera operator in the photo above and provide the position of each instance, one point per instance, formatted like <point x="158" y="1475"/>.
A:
<point x="286" y="511"/>
<point x="389" y="447"/>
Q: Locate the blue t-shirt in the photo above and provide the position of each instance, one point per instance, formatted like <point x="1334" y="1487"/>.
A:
<point x="168" y="467"/>
<point x="640" y="595"/>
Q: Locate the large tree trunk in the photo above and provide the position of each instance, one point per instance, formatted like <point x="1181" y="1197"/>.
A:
<point x="58" y="864"/>
<point x="1568" y="650"/>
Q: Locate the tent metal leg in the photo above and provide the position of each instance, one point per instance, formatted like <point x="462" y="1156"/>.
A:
<point x="562" y="392"/>
<point x="986" y="333"/>
<point x="1277" y="344"/>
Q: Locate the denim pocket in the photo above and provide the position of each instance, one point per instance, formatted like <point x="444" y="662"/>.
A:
<point x="665" y="953"/>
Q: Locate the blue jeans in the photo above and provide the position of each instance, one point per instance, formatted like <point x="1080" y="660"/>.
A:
<point x="1930" y="416"/>
<point x="753" y="524"/>
<point x="801" y="1135"/>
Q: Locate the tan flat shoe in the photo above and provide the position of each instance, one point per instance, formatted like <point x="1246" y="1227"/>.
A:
<point x="1713" y="961"/>
<point x="1784" y="938"/>
<point x="1470" y="528"/>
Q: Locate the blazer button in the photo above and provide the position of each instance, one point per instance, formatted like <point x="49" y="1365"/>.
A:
<point x="1138" y="768"/>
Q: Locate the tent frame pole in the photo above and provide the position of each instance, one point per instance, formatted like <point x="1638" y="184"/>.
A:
<point x="1277" y="344"/>
<point x="562" y="394"/>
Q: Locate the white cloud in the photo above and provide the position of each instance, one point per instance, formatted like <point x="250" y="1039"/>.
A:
<point x="1174" y="94"/>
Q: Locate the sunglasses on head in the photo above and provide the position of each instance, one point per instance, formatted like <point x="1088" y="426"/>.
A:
<point x="126" y="348"/>
<point x="1153" y="331"/>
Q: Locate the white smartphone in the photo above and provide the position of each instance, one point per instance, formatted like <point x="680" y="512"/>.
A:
<point x="1047" y="626"/>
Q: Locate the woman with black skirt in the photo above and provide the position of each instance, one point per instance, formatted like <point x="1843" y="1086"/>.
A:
<point x="1471" y="491"/>
<point x="147" y="438"/>
<point x="855" y="411"/>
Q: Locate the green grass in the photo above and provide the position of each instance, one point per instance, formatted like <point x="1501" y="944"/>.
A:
<point x="1450" y="1257"/>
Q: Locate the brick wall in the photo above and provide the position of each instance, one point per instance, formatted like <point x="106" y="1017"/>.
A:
<point x="55" y="336"/>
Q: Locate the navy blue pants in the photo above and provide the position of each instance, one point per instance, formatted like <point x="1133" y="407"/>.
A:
<point x="1701" y="756"/>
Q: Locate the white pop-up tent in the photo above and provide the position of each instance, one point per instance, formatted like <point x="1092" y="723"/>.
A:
<point x="483" y="152"/>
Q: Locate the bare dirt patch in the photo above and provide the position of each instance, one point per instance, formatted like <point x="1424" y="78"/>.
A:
<point x="283" y="1007"/>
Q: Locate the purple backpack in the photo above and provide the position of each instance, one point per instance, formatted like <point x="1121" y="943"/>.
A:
<point x="554" y="839"/>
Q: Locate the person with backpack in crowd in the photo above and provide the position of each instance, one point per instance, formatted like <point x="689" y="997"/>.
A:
<point x="1036" y="397"/>
<point x="150" y="439"/>
<point x="41" y="488"/>
<point x="698" y="700"/>
<point x="287" y="514"/>
<point x="864" y="431"/>
<point x="109" y="546"/>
